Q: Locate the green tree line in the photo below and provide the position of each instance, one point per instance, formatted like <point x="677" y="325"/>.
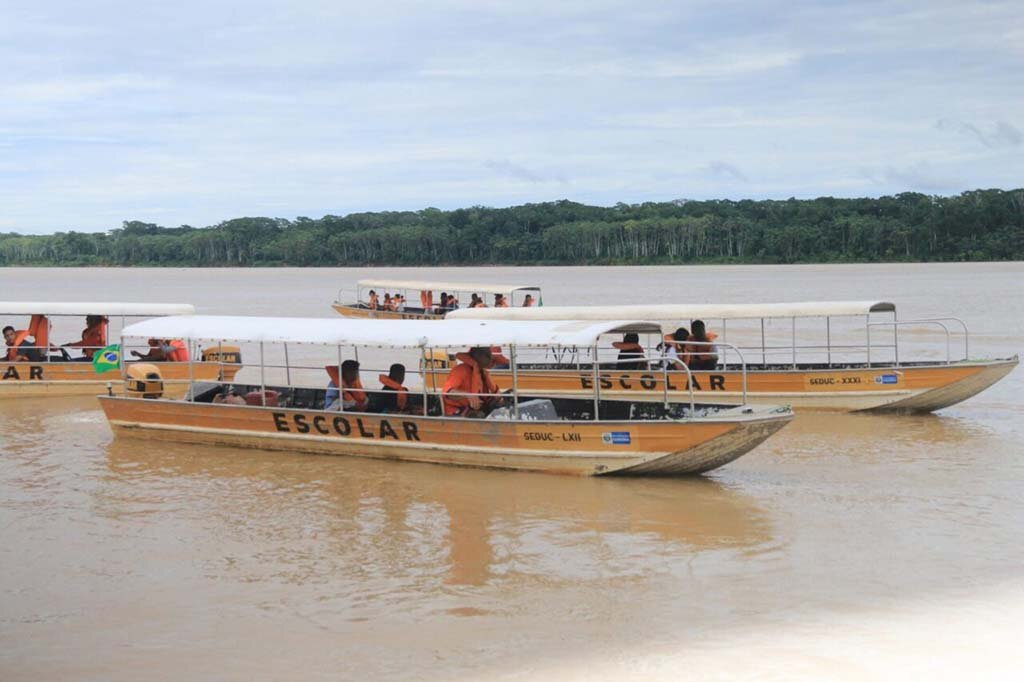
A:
<point x="975" y="225"/>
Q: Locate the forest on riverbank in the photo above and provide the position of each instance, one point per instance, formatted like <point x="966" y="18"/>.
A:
<point x="975" y="225"/>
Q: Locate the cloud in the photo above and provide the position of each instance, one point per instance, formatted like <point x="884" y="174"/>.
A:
<point x="193" y="113"/>
<point x="1002" y="134"/>
<point x="726" y="170"/>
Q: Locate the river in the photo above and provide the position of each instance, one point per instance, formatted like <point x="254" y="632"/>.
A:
<point x="847" y="546"/>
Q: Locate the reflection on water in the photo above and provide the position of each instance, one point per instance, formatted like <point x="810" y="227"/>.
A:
<point x="130" y="559"/>
<point x="422" y="523"/>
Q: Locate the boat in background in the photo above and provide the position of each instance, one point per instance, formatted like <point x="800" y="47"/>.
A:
<point x="62" y="375"/>
<point x="426" y="306"/>
<point x="764" y="357"/>
<point x="591" y="435"/>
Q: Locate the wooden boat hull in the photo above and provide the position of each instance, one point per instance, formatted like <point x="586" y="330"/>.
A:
<point x="58" y="379"/>
<point x="920" y="388"/>
<point x="583" y="448"/>
<point x="366" y="314"/>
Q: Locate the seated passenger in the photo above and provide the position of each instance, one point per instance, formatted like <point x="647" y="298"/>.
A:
<point x="442" y="307"/>
<point x="500" y="301"/>
<point x="388" y="305"/>
<point x="702" y="354"/>
<point x="372" y="303"/>
<point x="399" y="301"/>
<point x="395" y="396"/>
<point x="94" y="337"/>
<point x="229" y="397"/>
<point x="158" y="351"/>
<point x="352" y="397"/>
<point x="19" y="348"/>
<point x="528" y="301"/>
<point x="471" y="376"/>
<point x="675" y="349"/>
<point x="631" y="353"/>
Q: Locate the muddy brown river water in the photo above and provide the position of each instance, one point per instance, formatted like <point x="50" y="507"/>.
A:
<point x="847" y="546"/>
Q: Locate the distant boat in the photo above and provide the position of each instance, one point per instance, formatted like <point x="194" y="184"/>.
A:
<point x="427" y="305"/>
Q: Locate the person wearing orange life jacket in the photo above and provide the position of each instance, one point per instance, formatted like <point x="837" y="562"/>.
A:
<point x="20" y="349"/>
<point x="471" y="376"/>
<point x="94" y="337"/>
<point x="675" y="349"/>
<point x="179" y="351"/>
<point x="352" y="396"/>
<point x="394" y="397"/>
<point x="158" y="351"/>
<point x="702" y="353"/>
<point x="631" y="353"/>
<point x="373" y="303"/>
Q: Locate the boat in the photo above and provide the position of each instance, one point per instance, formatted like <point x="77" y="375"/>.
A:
<point x="836" y="355"/>
<point x="427" y="304"/>
<point x="590" y="435"/>
<point x="51" y="371"/>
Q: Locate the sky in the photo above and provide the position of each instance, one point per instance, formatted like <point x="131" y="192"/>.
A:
<point x="198" y="112"/>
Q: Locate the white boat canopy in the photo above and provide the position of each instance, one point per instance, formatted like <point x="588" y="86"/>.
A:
<point x="683" y="311"/>
<point x="383" y="333"/>
<point x="108" y="308"/>
<point x="423" y="285"/>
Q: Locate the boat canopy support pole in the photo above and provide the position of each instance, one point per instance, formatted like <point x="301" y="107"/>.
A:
<point x="794" y="342"/>
<point x="597" y="383"/>
<point x="764" y="354"/>
<point x="515" y="382"/>
<point x="263" y="378"/>
<point x="828" y="339"/>
<point x="288" y="366"/>
<point x="867" y="331"/>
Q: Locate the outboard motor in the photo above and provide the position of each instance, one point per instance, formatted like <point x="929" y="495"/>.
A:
<point x="228" y="355"/>
<point x="144" y="381"/>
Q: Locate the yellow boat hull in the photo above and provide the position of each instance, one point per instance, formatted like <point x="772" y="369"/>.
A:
<point x="59" y="379"/>
<point x="922" y="388"/>
<point x="582" y="448"/>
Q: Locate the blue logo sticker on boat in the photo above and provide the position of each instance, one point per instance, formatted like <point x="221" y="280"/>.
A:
<point x="616" y="438"/>
<point x="887" y="379"/>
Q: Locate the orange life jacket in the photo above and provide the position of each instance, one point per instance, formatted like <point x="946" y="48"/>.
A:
<point x="467" y="377"/>
<point x="39" y="330"/>
<point x="93" y="339"/>
<point x="400" y="391"/>
<point x="682" y="357"/>
<point x="350" y="392"/>
<point x="699" y="351"/>
<point x="180" y="352"/>
<point x="498" y="358"/>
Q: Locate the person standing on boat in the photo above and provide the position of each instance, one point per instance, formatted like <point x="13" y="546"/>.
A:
<point x="471" y="377"/>
<point x="373" y="303"/>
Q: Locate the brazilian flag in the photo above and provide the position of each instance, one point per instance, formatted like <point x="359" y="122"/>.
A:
<point x="107" y="359"/>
